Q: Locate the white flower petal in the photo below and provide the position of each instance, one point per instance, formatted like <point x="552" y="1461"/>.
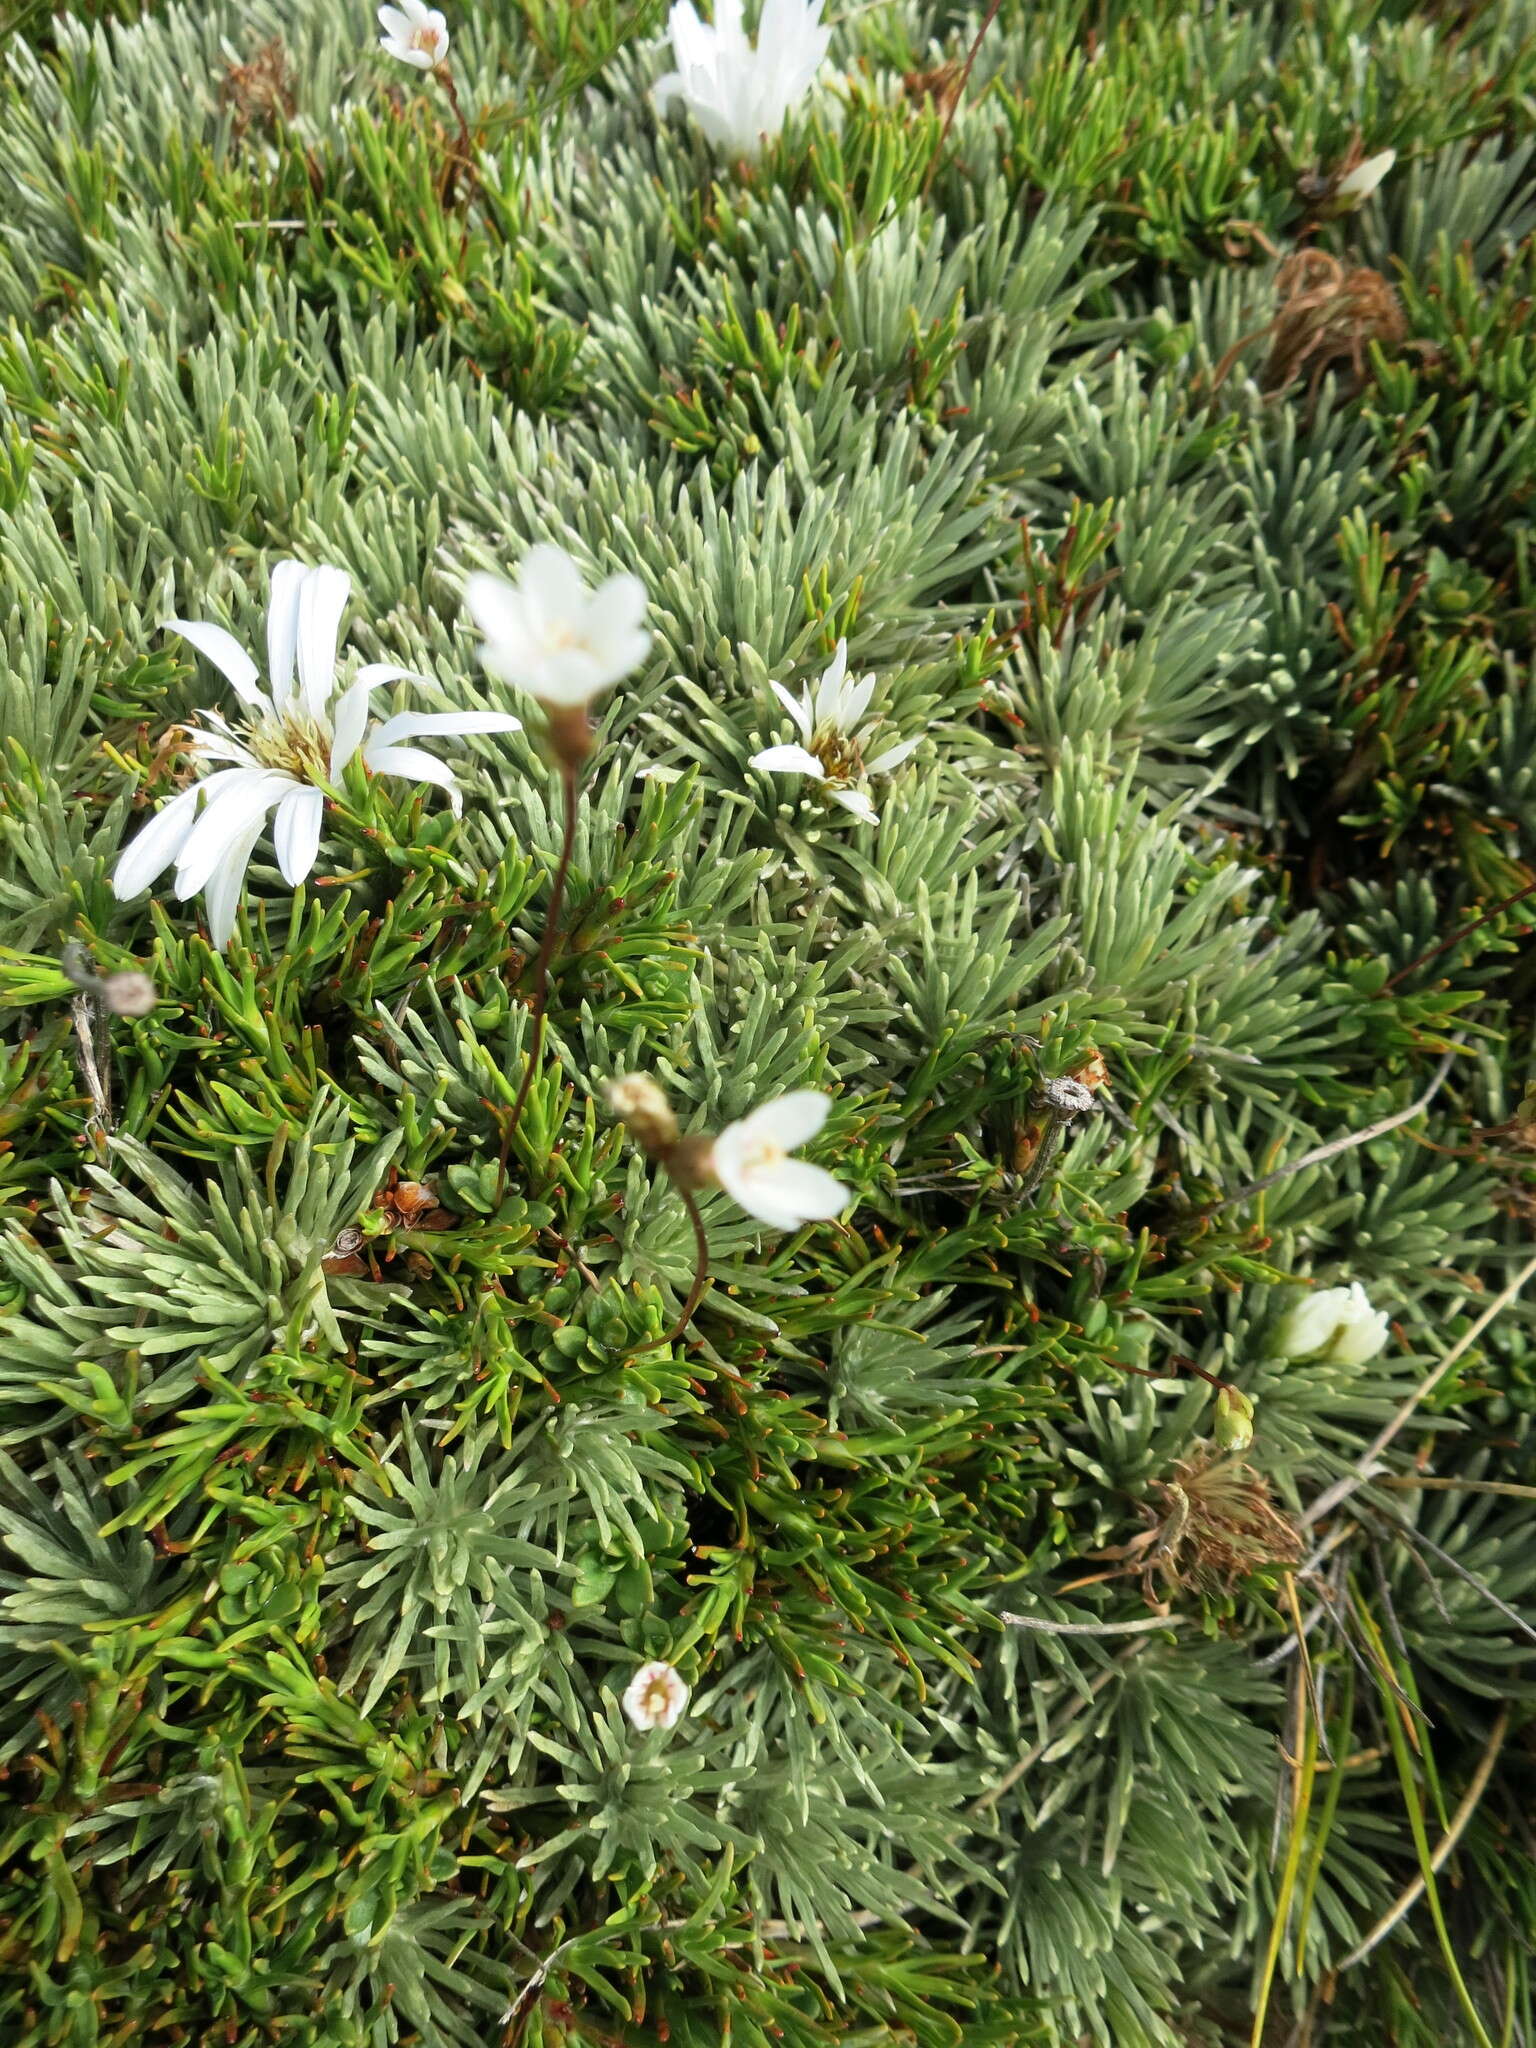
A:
<point x="858" y="803"/>
<point x="227" y="655"/>
<point x="157" y="845"/>
<point x="666" y="92"/>
<point x="893" y="757"/>
<point x="798" y="711"/>
<point x="1362" y="181"/>
<point x="296" y="833"/>
<point x="829" y="690"/>
<point x="621" y="601"/>
<point x="349" y="716"/>
<point x="493" y="603"/>
<point x="222" y="900"/>
<point x="788" y="761"/>
<point x="246" y="798"/>
<point x="283" y="625"/>
<point x="349" y="721"/>
<point x="222" y="746"/>
<point x="322" y="600"/>
<point x="795" y="1188"/>
<point x="552" y="577"/>
<point x="789" y="1121"/>
<point x="411" y="725"/>
<point x="415" y="765"/>
<point x="855" y="702"/>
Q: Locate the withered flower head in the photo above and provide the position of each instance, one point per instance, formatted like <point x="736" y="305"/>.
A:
<point x="645" y="1111"/>
<point x="1328" y="313"/>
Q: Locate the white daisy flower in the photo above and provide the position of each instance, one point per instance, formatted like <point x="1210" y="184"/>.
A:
<point x="738" y="94"/>
<point x="829" y="720"/>
<point x="1334" y="1323"/>
<point x="415" y="33"/>
<point x="550" y="635"/>
<point x="1357" y="185"/>
<point x="288" y="751"/>
<point x="655" y="1697"/>
<point x="750" y="1161"/>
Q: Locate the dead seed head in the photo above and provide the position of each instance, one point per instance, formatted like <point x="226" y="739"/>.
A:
<point x="1328" y="313"/>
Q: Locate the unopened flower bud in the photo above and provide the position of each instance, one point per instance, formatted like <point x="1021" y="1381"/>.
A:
<point x="1234" y="1419"/>
<point x="129" y="994"/>
<point x="1357" y="185"/>
<point x="645" y="1111"/>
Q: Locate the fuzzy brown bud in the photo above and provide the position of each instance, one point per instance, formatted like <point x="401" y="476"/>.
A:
<point x="129" y="994"/>
<point x="646" y="1113"/>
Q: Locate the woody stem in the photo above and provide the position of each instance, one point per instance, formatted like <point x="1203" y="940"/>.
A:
<point x="701" y="1270"/>
<point x="1178" y="1363"/>
<point x="538" y="1002"/>
<point x="466" y="141"/>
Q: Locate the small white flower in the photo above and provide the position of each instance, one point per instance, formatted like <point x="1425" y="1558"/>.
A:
<point x="738" y="94"/>
<point x="655" y="1697"/>
<point x="828" y="719"/>
<point x="750" y="1161"/>
<point x="1336" y="1323"/>
<point x="1358" y="185"/>
<point x="550" y="635"/>
<point x="415" y="33"/>
<point x="292" y="746"/>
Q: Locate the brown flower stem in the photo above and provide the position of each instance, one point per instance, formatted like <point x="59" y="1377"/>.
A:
<point x="960" y="84"/>
<point x="1347" y="1143"/>
<point x="466" y="147"/>
<point x="701" y="1269"/>
<point x="539" y="1000"/>
<point x="466" y="140"/>
<point x="1445" y="945"/>
<point x="1171" y="1371"/>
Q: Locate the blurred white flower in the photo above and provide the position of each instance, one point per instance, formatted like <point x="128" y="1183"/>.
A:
<point x="550" y="635"/>
<point x="1335" y="1323"/>
<point x="738" y="94"/>
<point x="750" y="1161"/>
<point x="829" y="719"/>
<point x="128" y="994"/>
<point x="414" y="33"/>
<point x="655" y="1697"/>
<point x="289" y="749"/>
<point x="1357" y="185"/>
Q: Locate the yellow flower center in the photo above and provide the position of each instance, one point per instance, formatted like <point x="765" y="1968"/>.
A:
<point x="838" y="752"/>
<point x="294" y="742"/>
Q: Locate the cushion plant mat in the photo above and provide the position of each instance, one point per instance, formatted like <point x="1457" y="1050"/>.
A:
<point x="1174" y="483"/>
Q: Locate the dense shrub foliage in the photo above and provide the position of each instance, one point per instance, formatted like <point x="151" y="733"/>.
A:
<point x="1181" y="506"/>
